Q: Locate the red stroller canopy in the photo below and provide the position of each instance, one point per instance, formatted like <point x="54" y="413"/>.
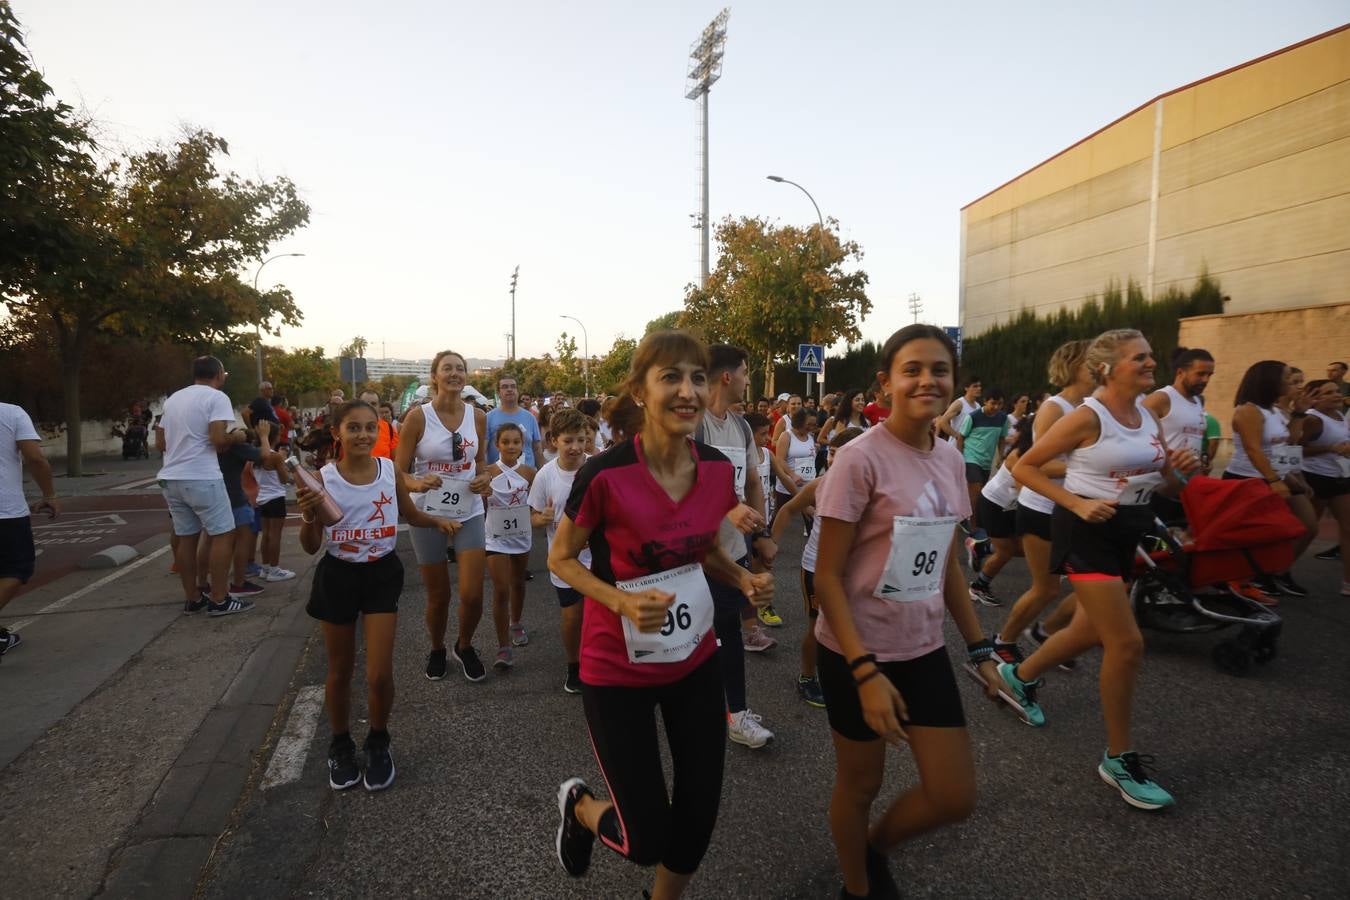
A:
<point x="1237" y="514"/>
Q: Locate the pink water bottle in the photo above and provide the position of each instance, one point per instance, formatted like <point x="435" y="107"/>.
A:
<point x="329" y="512"/>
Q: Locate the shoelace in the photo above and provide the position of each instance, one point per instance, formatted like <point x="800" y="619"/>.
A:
<point x="1134" y="764"/>
<point x="1029" y="689"/>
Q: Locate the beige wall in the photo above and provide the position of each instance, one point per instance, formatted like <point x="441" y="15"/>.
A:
<point x="1308" y="338"/>
<point x="1246" y="174"/>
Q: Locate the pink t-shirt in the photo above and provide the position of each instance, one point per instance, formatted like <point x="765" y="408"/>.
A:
<point x="637" y="530"/>
<point x="873" y="479"/>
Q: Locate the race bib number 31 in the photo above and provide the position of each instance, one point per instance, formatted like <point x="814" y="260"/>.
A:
<point x="917" y="559"/>
<point x="689" y="618"/>
<point x="510" y="523"/>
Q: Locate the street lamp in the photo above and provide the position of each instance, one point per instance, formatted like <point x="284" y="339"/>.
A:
<point x="257" y="328"/>
<point x="586" y="354"/>
<point x="821" y="220"/>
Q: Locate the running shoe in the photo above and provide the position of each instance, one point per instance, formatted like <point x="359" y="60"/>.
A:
<point x="1250" y="591"/>
<point x="881" y="883"/>
<point x="1267" y="585"/>
<point x="436" y="664"/>
<point x="1289" y="586"/>
<point x="197" y="605"/>
<point x="1021" y="695"/>
<point x="253" y="570"/>
<point x="518" y="636"/>
<point x="1008" y="653"/>
<point x="983" y="596"/>
<point x="575" y="841"/>
<point x="468" y="660"/>
<point x="744" y="728"/>
<point x="756" y="640"/>
<point x="1332" y="552"/>
<point x="503" y="662"/>
<point x="247" y="589"/>
<point x="343" y="772"/>
<point x="769" y="616"/>
<point x="8" y="640"/>
<point x="573" y="683"/>
<point x="1127" y="774"/>
<point x="277" y="573"/>
<point x="379" y="762"/>
<point x="1038" y="635"/>
<point x="808" y="688"/>
<point x="228" y="607"/>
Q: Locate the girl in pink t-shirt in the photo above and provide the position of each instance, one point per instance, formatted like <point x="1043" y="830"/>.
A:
<point x="886" y="573"/>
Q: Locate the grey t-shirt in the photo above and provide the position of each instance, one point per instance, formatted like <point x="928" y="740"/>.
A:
<point x="733" y="437"/>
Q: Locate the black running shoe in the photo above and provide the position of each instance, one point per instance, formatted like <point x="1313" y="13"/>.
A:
<point x="573" y="683"/>
<point x="1289" y="587"/>
<point x="983" y="595"/>
<point x="195" y="606"/>
<point x="469" y="662"/>
<point x="379" y="763"/>
<point x="1037" y="634"/>
<point x="575" y="841"/>
<point x="436" y="664"/>
<point x="880" y="881"/>
<point x="1008" y="653"/>
<point x="1332" y="552"/>
<point x="343" y="772"/>
<point x="8" y="640"/>
<point x="228" y="607"/>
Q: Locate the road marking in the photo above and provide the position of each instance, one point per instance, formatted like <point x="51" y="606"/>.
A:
<point x="92" y="586"/>
<point x="102" y="519"/>
<point x="144" y="482"/>
<point x="288" y="760"/>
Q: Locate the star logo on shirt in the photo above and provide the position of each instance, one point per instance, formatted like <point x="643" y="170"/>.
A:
<point x="1156" y="443"/>
<point x="379" y="505"/>
<point x="518" y="496"/>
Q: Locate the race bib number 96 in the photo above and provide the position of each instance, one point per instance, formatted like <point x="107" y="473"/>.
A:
<point x="688" y="619"/>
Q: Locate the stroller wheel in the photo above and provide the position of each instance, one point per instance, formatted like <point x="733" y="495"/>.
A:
<point x="1232" y="658"/>
<point x="1266" y="649"/>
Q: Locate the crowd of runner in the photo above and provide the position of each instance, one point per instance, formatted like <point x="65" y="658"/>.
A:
<point x="662" y="509"/>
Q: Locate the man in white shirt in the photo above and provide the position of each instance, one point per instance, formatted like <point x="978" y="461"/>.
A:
<point x="19" y="445"/>
<point x="195" y="424"/>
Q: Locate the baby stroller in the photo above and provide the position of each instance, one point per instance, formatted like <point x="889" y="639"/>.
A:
<point x="135" y="439"/>
<point x="1239" y="529"/>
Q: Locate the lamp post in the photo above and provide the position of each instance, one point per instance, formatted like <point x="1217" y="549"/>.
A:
<point x="821" y="237"/>
<point x="586" y="354"/>
<point x="257" y="327"/>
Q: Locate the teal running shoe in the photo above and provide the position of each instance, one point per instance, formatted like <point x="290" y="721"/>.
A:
<point x="1021" y="695"/>
<point x="1126" y="774"/>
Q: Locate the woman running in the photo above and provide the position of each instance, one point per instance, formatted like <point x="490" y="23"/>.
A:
<point x="651" y="508"/>
<point x="796" y="450"/>
<point x="1117" y="460"/>
<point x="1326" y="463"/>
<point x="1068" y="369"/>
<point x="439" y="443"/>
<point x="507" y="540"/>
<point x="889" y="513"/>
<point x="360" y="575"/>
<point x="1265" y="447"/>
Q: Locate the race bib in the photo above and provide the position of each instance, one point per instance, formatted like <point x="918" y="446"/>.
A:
<point x="1138" y="489"/>
<point x="805" y="467"/>
<point x="738" y="460"/>
<point x="508" y="523"/>
<point x="918" y="558"/>
<point x="452" y="500"/>
<point x="1286" y="458"/>
<point x="687" y="621"/>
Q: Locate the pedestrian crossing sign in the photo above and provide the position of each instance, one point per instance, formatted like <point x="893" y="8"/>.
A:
<point x="810" y="358"/>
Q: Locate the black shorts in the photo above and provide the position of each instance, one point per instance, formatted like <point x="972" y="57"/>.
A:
<point x="1167" y="509"/>
<point x="927" y="685"/>
<point x="342" y="590"/>
<point x="1104" y="549"/>
<point x="273" y="509"/>
<point x="1033" y="522"/>
<point x="1325" y="487"/>
<point x="809" y="594"/>
<point x="996" y="521"/>
<point x="567" y="596"/>
<point x="976" y="474"/>
<point x="17" y="554"/>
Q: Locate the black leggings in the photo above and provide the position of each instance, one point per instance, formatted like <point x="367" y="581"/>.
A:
<point x="727" y="605"/>
<point x="644" y="824"/>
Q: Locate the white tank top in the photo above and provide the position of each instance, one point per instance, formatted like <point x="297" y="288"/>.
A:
<point x="1184" y="424"/>
<point x="1102" y="470"/>
<point x="369" y="525"/>
<point x="1331" y="465"/>
<point x="1002" y="488"/>
<point x="508" y="514"/>
<point x="801" y="456"/>
<point x="269" y="484"/>
<point x="1029" y="498"/>
<point x="959" y="421"/>
<point x="811" y="550"/>
<point x="763" y="470"/>
<point x="1273" y="431"/>
<point x="435" y="452"/>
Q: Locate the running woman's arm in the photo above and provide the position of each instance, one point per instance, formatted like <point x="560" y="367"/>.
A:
<point x="1178" y="465"/>
<point x="956" y="597"/>
<point x="799" y="502"/>
<point x="1052" y="413"/>
<point x="417" y="517"/>
<point x="780" y="455"/>
<point x="786" y="476"/>
<point x="1248" y="425"/>
<point x="481" y="484"/>
<point x="1158" y="403"/>
<point x="311" y="530"/>
<point x="646" y="609"/>
<point x="1077" y="429"/>
<point x="758" y="589"/>
<point x="406" y="452"/>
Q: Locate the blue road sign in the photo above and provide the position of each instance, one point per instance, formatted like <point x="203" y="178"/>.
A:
<point x="810" y="358"/>
<point x="954" y="332"/>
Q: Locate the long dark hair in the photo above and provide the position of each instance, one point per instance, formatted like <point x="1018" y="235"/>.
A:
<point x="1262" y="384"/>
<point x="845" y="409"/>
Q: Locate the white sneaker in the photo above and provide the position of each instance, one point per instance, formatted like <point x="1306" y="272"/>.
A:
<point x="744" y="728"/>
<point x="277" y="573"/>
<point x="757" y="640"/>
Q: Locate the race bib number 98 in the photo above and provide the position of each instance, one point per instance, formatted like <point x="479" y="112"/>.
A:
<point x="918" y="558"/>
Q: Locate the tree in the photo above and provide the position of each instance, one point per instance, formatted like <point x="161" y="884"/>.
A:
<point x="775" y="287"/>
<point x="611" y="372"/>
<point x="569" y="378"/>
<point x="354" y="349"/>
<point x="161" y="238"/>
<point x="305" y="370"/>
<point x="663" y="322"/>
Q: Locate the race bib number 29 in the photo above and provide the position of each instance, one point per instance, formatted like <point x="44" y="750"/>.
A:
<point x="452" y="500"/>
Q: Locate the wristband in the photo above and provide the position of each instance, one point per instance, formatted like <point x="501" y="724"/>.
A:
<point x="980" y="651"/>
<point x="865" y="658"/>
<point x="866" y="678"/>
<point x="306" y="521"/>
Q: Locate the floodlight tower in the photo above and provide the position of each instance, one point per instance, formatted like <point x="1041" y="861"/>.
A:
<point x="915" y="305"/>
<point x="704" y="70"/>
<point x="514" y="276"/>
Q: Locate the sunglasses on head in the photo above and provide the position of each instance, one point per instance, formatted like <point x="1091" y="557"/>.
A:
<point x="456" y="446"/>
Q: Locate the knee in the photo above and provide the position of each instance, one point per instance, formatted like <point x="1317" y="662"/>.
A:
<point x="380" y="682"/>
<point x="858" y="789"/>
<point x="1127" y="648"/>
<point x="955" y="803"/>
<point x="647" y="838"/>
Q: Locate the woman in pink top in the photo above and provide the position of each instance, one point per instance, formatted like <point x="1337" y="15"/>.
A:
<point x="887" y="571"/>
<point x="649" y="509"/>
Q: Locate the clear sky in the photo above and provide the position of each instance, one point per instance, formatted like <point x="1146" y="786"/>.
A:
<point x="441" y="144"/>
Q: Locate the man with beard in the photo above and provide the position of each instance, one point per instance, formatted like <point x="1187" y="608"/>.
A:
<point x="1181" y="409"/>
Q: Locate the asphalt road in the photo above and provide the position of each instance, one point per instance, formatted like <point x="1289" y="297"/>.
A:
<point x="1259" y="765"/>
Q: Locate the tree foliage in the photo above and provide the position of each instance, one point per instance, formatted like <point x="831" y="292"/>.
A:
<point x="302" y="375"/>
<point x="777" y="286"/>
<point x="609" y="374"/>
